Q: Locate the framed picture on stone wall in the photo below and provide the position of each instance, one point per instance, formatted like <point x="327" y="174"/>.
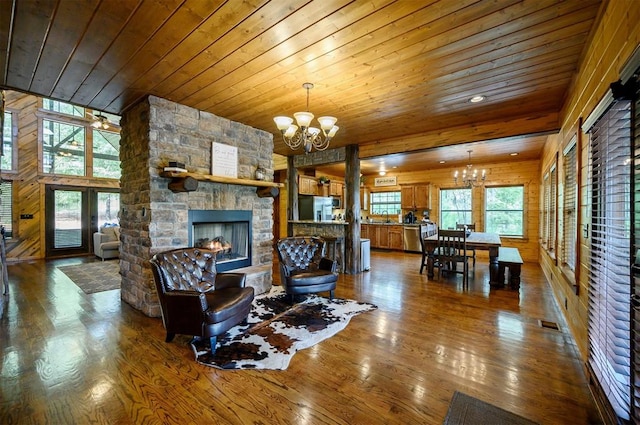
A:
<point x="224" y="160"/>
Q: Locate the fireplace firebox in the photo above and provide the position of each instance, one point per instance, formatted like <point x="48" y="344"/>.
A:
<point x="228" y="232"/>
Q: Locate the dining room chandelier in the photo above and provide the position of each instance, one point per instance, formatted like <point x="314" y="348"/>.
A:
<point x="470" y="177"/>
<point x="303" y="134"/>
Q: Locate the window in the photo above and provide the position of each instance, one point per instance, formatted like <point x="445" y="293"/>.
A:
<point x="62" y="108"/>
<point x="6" y="207"/>
<point x="7" y="142"/>
<point x="505" y="210"/>
<point x="63" y="148"/>
<point x="548" y="222"/>
<point x="570" y="205"/>
<point x="385" y="203"/>
<point x="455" y="207"/>
<point x="72" y="143"/>
<point x="610" y="255"/>
<point x="106" y="151"/>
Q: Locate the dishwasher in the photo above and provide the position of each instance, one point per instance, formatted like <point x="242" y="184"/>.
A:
<point x="412" y="239"/>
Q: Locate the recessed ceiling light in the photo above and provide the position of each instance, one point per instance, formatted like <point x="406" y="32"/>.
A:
<point x="442" y="162"/>
<point x="476" y="99"/>
<point x="514" y="154"/>
<point x="382" y="173"/>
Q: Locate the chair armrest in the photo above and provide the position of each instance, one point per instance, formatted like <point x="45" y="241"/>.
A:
<point x="99" y="238"/>
<point x="230" y="280"/>
<point x="327" y="264"/>
<point x="186" y="301"/>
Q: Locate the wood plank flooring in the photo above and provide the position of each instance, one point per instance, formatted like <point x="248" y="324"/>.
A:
<point x="71" y="358"/>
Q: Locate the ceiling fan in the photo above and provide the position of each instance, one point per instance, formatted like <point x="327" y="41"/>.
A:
<point x="100" y="121"/>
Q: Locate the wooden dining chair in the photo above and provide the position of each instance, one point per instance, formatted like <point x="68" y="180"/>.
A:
<point x="426" y="230"/>
<point x="451" y="250"/>
<point x="472" y="228"/>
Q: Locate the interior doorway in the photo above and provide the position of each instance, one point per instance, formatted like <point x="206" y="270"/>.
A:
<point x="73" y="214"/>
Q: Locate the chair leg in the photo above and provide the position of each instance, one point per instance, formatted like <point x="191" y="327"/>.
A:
<point x="331" y="294"/>
<point x="422" y="263"/>
<point x="169" y="337"/>
<point x="213" y="341"/>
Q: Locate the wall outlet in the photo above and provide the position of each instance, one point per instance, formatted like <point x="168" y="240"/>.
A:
<point x="26" y="216"/>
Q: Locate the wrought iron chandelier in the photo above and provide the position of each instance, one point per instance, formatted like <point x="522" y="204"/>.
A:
<point x="470" y="177"/>
<point x="302" y="134"/>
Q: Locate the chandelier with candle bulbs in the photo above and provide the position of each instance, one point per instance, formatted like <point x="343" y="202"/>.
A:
<point x="470" y="177"/>
<point x="303" y="134"/>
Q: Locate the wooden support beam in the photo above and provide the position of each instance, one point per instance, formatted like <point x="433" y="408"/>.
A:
<point x="183" y="184"/>
<point x="352" y="210"/>
<point x="267" y="192"/>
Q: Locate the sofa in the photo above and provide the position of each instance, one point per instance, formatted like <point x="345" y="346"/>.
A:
<point x="106" y="242"/>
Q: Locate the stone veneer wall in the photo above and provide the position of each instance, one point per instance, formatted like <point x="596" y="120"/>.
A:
<point x="154" y="219"/>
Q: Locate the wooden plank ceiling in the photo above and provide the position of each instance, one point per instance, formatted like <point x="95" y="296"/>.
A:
<point x="397" y="74"/>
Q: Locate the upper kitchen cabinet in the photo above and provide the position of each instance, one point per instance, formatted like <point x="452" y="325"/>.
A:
<point x="415" y="196"/>
<point x="336" y="188"/>
<point x="364" y="198"/>
<point x="307" y="185"/>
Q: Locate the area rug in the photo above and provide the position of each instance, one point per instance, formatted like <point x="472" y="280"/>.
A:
<point x="276" y="330"/>
<point x="94" y="277"/>
<point x="467" y="410"/>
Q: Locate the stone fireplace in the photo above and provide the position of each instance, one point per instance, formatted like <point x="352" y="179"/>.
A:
<point x="155" y="219"/>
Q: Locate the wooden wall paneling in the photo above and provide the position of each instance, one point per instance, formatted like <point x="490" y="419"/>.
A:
<point x="28" y="238"/>
<point x="613" y="41"/>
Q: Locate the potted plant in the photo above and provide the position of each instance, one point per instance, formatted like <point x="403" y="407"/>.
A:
<point x="323" y="180"/>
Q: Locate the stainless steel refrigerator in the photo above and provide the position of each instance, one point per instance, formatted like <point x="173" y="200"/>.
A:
<point x="316" y="208"/>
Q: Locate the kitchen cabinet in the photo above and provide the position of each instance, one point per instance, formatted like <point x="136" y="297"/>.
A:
<point x="336" y="189"/>
<point x="307" y="185"/>
<point x="364" y="231"/>
<point x="415" y="197"/>
<point x="396" y="236"/>
<point x="383" y="236"/>
<point x="364" y="198"/>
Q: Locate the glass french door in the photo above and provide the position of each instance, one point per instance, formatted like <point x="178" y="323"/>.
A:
<point x="73" y="214"/>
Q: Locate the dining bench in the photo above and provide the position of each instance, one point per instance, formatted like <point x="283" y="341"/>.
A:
<point x="509" y="257"/>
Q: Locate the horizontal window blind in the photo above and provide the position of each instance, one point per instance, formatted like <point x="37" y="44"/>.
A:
<point x="570" y="206"/>
<point x="609" y="274"/>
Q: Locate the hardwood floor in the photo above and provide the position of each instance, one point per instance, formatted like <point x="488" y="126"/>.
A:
<point x="67" y="357"/>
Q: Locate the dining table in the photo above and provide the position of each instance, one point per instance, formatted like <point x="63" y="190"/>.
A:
<point x="475" y="240"/>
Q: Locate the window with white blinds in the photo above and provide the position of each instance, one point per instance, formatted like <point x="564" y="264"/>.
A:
<point x="610" y="255"/>
<point x="6" y="207"/>
<point x="544" y="222"/>
<point x="548" y="222"/>
<point x="553" y="182"/>
<point x="570" y="205"/>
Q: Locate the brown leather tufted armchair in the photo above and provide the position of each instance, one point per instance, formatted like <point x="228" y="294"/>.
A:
<point x="303" y="267"/>
<point x="194" y="299"/>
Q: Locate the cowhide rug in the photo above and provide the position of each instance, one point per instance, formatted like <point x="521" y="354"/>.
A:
<point x="275" y="330"/>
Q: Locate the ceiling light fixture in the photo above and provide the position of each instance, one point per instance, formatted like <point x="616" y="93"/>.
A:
<point x="470" y="177"/>
<point x="308" y="137"/>
<point x="100" y="121"/>
<point x="382" y="172"/>
<point x="476" y="99"/>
